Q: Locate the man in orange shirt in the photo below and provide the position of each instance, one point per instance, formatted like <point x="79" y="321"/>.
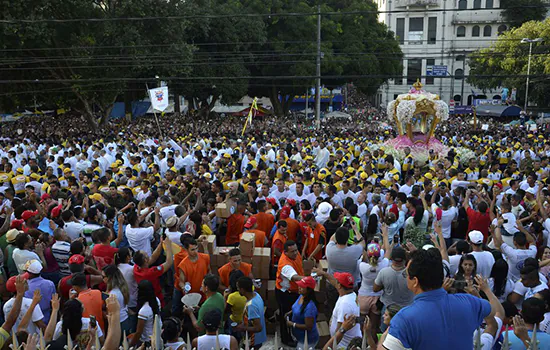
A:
<point x="235" y="263"/>
<point x="264" y="220"/>
<point x="315" y="239"/>
<point x="294" y="230"/>
<point x="177" y="305"/>
<point x="91" y="299"/>
<point x="260" y="236"/>
<point x="193" y="268"/>
<point x="289" y="270"/>
<point x="279" y="240"/>
<point x="235" y="225"/>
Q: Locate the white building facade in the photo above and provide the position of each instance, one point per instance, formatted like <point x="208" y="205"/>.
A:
<point x="440" y="33"/>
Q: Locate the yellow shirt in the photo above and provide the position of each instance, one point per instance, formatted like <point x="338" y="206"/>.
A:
<point x="238" y="303"/>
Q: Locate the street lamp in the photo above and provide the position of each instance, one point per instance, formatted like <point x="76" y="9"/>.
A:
<point x="530" y="41"/>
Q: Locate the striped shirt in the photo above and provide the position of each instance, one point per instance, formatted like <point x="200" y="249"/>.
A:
<point x="62" y="252"/>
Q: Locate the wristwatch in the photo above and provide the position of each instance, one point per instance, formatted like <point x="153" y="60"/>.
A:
<point x="342" y="330"/>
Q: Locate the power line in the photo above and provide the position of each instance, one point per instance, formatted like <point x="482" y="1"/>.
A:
<point x="251" y="15"/>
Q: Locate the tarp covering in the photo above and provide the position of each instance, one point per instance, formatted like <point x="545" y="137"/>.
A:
<point x="498" y="111"/>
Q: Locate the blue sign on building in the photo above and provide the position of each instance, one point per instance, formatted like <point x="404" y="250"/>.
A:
<point x="436" y="71"/>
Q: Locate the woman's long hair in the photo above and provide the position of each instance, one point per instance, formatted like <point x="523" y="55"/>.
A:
<point x="466" y="257"/>
<point x="309" y="297"/>
<point x="196" y="218"/>
<point x="71" y="324"/>
<point x="146" y="294"/>
<point x="116" y="280"/>
<point x="499" y="273"/>
<point x="372" y="226"/>
<point x="122" y="255"/>
<point x="418" y="215"/>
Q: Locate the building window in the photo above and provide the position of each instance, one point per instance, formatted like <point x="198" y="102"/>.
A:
<point x="487" y="31"/>
<point x="457" y="98"/>
<point x="477" y="4"/>
<point x="460" y="58"/>
<point x="497" y="97"/>
<point x="488" y="4"/>
<point x="432" y="30"/>
<point x="414" y="70"/>
<point x="501" y="29"/>
<point x="462" y="4"/>
<point x="400" y="30"/>
<point x="416" y="30"/>
<point x="430" y="62"/>
<point x="475" y="31"/>
<point x="461" y="32"/>
<point x="459" y="74"/>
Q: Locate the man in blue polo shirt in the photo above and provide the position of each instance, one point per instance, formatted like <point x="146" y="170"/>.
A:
<point x="435" y="319"/>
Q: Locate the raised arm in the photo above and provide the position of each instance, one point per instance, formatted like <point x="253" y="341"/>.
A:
<point x="28" y="315"/>
<point x="440" y="242"/>
<point x="50" y="329"/>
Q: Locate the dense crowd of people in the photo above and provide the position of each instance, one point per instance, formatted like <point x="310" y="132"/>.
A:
<point x="104" y="232"/>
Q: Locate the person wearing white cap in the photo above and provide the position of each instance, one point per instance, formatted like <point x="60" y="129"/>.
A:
<point x="484" y="259"/>
<point x="47" y="288"/>
<point x="172" y="232"/>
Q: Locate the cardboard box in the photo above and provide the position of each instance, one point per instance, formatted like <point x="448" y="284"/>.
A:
<point x="208" y="244"/>
<point x="247" y="244"/>
<point x="324" y="332"/>
<point x="271" y="298"/>
<point x="308" y="266"/>
<point x="260" y="263"/>
<point x="323" y="264"/>
<point x="226" y="209"/>
<point x="219" y="258"/>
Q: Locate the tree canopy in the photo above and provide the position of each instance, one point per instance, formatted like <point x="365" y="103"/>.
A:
<point x="517" y="12"/>
<point x="504" y="64"/>
<point x="88" y="54"/>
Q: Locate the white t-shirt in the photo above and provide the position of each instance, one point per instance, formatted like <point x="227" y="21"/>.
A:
<point x="368" y="276"/>
<point x="37" y="314"/>
<point x="21" y="257"/>
<point x="528" y="292"/>
<point x="447" y="218"/>
<point x="174" y="237"/>
<point x="127" y="271"/>
<point x="123" y="307"/>
<point x="508" y="288"/>
<point x="287" y="272"/>
<point x="146" y="314"/>
<point x="345" y="305"/>
<point x="166" y="212"/>
<point x="485" y="262"/>
<point x="85" y="326"/>
<point x="139" y="238"/>
<point x="454" y="260"/>
<point x="74" y="230"/>
<point x="516" y="257"/>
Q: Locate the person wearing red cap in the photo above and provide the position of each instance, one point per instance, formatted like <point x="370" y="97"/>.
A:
<point x="264" y="220"/>
<point x="260" y="236"/>
<point x="76" y="265"/>
<point x="304" y="314"/>
<point x="315" y="239"/>
<point x="290" y="269"/>
<point x="346" y="305"/>
<point x="11" y="318"/>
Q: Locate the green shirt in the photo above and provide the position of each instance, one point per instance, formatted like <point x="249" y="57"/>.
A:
<point x="216" y="301"/>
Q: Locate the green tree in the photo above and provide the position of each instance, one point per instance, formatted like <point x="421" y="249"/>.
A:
<point x="87" y="65"/>
<point x="223" y="47"/>
<point x="504" y="64"/>
<point x="517" y="12"/>
<point x="352" y="45"/>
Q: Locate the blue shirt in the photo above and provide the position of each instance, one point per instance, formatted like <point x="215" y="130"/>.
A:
<point x="437" y="320"/>
<point x="47" y="289"/>
<point x="256" y="310"/>
<point x="543" y="340"/>
<point x="300" y="318"/>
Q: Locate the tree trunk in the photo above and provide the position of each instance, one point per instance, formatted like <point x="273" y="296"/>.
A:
<point x="286" y="104"/>
<point x="274" y="98"/>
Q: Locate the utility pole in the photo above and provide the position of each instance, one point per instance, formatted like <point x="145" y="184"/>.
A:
<point x="463" y="78"/>
<point x="318" y="84"/>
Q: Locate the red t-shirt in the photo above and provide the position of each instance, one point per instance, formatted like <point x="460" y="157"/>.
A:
<point x="103" y="255"/>
<point x="64" y="288"/>
<point x="152" y="275"/>
<point x="479" y="221"/>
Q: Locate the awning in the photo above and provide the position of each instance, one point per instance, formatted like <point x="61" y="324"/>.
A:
<point x="498" y="111"/>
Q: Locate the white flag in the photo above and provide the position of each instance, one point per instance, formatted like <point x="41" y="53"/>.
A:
<point x="159" y="98"/>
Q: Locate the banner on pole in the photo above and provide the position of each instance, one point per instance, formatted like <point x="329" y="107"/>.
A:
<point x="159" y="98"/>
